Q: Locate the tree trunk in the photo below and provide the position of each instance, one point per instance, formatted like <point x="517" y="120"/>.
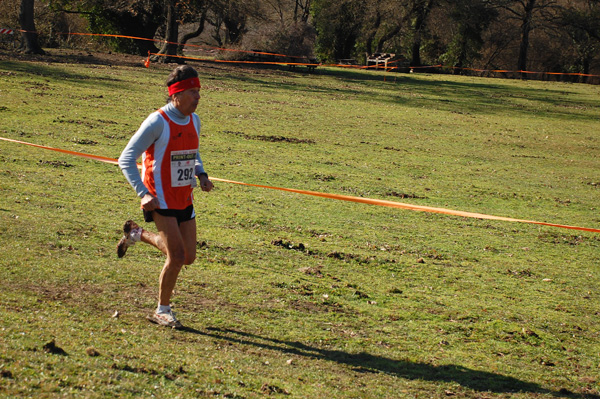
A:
<point x="586" y="70"/>
<point x="234" y="28"/>
<point x="306" y="12"/>
<point x="421" y="9"/>
<point x="29" y="34"/>
<point x="371" y="36"/>
<point x="416" y="53"/>
<point x="194" y="34"/>
<point x="169" y="48"/>
<point x="525" y="31"/>
<point x="389" y="35"/>
<point x="461" y="57"/>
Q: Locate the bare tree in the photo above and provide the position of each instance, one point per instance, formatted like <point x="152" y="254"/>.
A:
<point x="230" y="19"/>
<point x="169" y="47"/>
<point x="302" y="10"/>
<point x="202" y="12"/>
<point x="527" y="11"/>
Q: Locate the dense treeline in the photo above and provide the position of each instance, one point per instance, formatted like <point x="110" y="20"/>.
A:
<point x="541" y="35"/>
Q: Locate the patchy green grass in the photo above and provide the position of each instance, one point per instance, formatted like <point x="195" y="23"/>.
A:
<point x="297" y="296"/>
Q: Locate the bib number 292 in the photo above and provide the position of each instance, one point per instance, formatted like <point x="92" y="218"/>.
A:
<point x="182" y="168"/>
<point x="185" y="175"/>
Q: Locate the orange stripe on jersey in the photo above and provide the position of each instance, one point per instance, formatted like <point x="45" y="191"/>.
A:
<point x="169" y="163"/>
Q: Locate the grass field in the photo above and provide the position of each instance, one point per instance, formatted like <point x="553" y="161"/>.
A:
<point x="291" y="295"/>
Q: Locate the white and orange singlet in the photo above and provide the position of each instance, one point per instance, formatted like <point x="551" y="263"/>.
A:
<point x="168" y="165"/>
<point x="168" y="143"/>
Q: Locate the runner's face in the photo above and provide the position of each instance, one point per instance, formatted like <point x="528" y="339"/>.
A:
<point x="187" y="100"/>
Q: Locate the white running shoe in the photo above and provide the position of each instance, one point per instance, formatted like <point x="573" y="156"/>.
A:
<point x="131" y="234"/>
<point x="165" y="319"/>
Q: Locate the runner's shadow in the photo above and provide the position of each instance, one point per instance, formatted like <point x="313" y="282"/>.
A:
<point x="367" y="363"/>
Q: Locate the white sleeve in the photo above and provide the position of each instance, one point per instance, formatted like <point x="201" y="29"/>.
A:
<point x="147" y="134"/>
<point x="199" y="166"/>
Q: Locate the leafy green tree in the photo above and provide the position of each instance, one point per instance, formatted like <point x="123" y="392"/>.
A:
<point x="471" y="17"/>
<point x="338" y="24"/>
<point x="418" y="12"/>
<point x="582" y="25"/>
<point x="136" y="18"/>
<point x="382" y="23"/>
<point x="345" y="26"/>
<point x="545" y="35"/>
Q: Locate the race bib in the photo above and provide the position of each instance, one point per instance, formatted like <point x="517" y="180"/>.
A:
<point x="182" y="168"/>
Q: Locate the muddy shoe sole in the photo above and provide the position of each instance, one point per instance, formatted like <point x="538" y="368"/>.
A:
<point x="126" y="241"/>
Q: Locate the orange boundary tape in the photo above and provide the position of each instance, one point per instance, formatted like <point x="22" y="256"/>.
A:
<point x="147" y="63"/>
<point x="370" y="201"/>
<point x="79" y="154"/>
<point x="421" y="208"/>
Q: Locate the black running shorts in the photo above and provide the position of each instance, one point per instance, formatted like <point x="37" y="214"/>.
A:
<point x="182" y="215"/>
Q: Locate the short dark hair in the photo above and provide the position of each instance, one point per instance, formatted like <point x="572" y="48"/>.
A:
<point x="180" y="73"/>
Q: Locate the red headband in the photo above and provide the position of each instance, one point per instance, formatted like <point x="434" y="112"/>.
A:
<point x="189" y="83"/>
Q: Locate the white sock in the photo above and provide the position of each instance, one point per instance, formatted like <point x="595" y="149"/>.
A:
<point x="163" y="309"/>
<point x="136" y="234"/>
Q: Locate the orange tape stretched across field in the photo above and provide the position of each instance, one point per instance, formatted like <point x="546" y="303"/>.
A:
<point x="283" y="56"/>
<point x="147" y="63"/>
<point x="370" y="201"/>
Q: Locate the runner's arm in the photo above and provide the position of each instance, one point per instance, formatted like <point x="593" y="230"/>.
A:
<point x="199" y="166"/>
<point x="146" y="135"/>
<point x="205" y="183"/>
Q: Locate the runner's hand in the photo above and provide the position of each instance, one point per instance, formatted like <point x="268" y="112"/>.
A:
<point x="149" y="202"/>
<point x="205" y="183"/>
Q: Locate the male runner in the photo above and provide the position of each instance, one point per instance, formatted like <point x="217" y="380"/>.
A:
<point x="168" y="143"/>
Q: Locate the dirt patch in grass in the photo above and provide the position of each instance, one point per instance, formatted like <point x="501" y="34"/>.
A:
<point x="394" y="149"/>
<point x="272" y="139"/>
<point x="404" y="195"/>
<point x="341" y="256"/>
<point x="57" y="164"/>
<point x="569" y="239"/>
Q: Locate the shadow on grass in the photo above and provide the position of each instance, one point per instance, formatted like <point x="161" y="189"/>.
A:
<point x="445" y="93"/>
<point x="367" y="363"/>
<point x="490" y="96"/>
<point x="58" y="73"/>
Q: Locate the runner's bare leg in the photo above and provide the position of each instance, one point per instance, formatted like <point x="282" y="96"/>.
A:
<point x="154" y="239"/>
<point x="178" y="242"/>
